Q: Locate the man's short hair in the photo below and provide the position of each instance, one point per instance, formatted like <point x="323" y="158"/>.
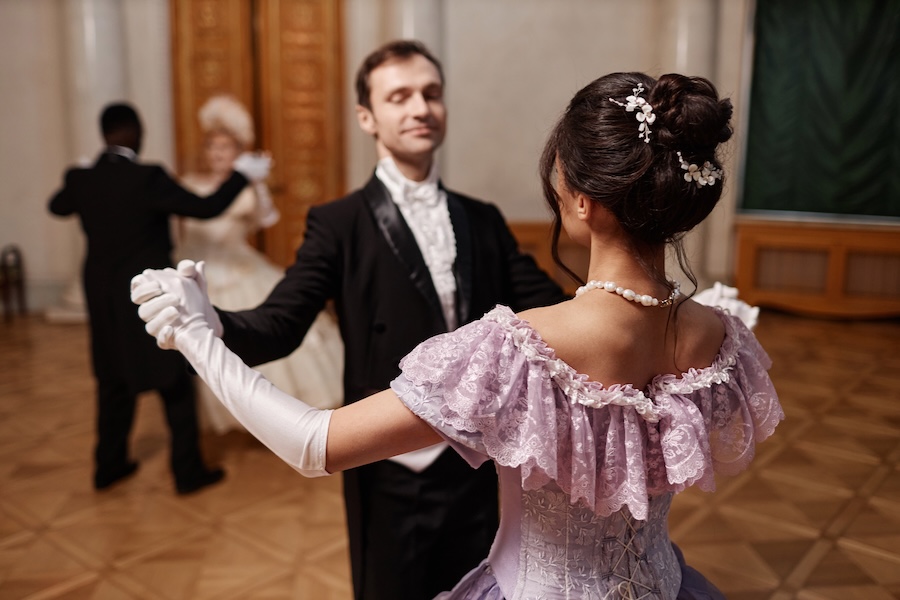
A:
<point x="398" y="49"/>
<point x="119" y="117"/>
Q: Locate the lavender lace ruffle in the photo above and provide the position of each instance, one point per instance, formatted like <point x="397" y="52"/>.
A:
<point x="496" y="388"/>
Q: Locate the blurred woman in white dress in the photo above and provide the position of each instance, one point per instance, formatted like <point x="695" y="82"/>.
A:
<point x="239" y="276"/>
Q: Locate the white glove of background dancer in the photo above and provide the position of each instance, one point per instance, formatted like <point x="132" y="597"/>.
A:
<point x="255" y="166"/>
<point x="148" y="294"/>
<point x="296" y="432"/>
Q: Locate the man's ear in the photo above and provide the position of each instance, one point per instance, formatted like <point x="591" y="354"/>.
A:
<point x="366" y="119"/>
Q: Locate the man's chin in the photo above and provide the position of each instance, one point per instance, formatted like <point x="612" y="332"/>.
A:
<point x="417" y="152"/>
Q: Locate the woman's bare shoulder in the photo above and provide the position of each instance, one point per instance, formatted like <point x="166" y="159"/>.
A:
<point x="701" y="333"/>
<point x="547" y="319"/>
<point x="566" y="328"/>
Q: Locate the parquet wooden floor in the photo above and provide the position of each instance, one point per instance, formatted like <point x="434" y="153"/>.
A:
<point x="817" y="516"/>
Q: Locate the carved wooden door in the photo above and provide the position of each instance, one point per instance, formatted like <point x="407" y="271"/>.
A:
<point x="282" y="59"/>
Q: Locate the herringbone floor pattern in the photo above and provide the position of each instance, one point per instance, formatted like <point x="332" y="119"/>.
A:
<point x="817" y="516"/>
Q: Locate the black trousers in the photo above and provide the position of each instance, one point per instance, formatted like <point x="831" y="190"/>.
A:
<point x="414" y="535"/>
<point x="116" y="405"/>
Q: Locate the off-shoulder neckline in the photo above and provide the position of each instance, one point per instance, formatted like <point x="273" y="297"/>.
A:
<point x="687" y="382"/>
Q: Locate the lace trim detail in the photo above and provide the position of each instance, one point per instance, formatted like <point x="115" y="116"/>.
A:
<point x="697" y="379"/>
<point x="581" y="390"/>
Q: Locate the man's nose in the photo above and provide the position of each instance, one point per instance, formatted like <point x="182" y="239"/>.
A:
<point x="418" y="106"/>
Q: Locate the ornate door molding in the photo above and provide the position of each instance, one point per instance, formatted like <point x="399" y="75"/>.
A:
<point x="212" y="53"/>
<point x="301" y="106"/>
<point x="283" y="60"/>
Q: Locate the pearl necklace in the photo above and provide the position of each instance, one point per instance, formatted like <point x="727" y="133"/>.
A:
<point x="631" y="295"/>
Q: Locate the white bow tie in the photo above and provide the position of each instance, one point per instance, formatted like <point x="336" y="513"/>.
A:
<point x="424" y="195"/>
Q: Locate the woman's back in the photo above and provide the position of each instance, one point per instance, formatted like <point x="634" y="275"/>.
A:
<point x="616" y="342"/>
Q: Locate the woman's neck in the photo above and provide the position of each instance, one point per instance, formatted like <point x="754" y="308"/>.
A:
<point x="616" y="260"/>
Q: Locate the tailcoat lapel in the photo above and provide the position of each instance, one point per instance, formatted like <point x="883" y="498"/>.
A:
<point x="401" y="241"/>
<point x="462" y="231"/>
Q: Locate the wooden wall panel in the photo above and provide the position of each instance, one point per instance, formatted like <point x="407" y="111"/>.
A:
<point x="823" y="269"/>
<point x="301" y="99"/>
<point x="212" y="53"/>
<point x="282" y="59"/>
<point x="534" y="238"/>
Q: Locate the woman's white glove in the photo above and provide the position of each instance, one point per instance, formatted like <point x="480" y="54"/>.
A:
<point x="296" y="432"/>
<point x="147" y="293"/>
<point x="267" y="212"/>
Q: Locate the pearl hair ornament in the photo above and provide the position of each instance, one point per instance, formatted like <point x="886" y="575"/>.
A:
<point x="642" y="109"/>
<point x="708" y="174"/>
<point x="631" y="295"/>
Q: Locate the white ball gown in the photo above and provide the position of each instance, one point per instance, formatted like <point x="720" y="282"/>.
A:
<point x="240" y="277"/>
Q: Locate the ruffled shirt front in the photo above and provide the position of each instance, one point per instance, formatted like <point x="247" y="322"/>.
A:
<point x="423" y="205"/>
<point x="578" y="456"/>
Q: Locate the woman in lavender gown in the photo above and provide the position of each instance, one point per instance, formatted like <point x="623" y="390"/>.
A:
<point x="595" y="411"/>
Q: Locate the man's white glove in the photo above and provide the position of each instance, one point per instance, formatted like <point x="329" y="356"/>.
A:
<point x="147" y="293"/>
<point x="296" y="432"/>
<point x="726" y="297"/>
<point x="255" y="166"/>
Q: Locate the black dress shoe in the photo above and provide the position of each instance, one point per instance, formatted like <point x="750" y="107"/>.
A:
<point x="200" y="481"/>
<point x="106" y="478"/>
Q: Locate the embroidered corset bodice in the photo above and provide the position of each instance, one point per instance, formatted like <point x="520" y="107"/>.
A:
<point x="567" y="550"/>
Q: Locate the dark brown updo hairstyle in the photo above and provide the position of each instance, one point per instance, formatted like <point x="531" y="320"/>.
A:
<point x="596" y="147"/>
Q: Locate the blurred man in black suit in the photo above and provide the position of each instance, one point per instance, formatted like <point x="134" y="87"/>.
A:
<point x="124" y="208"/>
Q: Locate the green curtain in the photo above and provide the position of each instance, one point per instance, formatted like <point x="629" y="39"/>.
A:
<point x="824" y="123"/>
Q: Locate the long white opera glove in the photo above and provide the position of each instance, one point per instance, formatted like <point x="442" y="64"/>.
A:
<point x="147" y="293"/>
<point x="267" y="213"/>
<point x="296" y="432"/>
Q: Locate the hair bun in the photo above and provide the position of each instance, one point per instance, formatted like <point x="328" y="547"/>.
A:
<point x="690" y="116"/>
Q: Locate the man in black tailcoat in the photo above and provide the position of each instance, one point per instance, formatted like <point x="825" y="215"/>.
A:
<point x="124" y="208"/>
<point x="403" y="259"/>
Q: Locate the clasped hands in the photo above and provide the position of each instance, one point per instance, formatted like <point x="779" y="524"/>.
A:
<point x="172" y="301"/>
<point x="174" y="304"/>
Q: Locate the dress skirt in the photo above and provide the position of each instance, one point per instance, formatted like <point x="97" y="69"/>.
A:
<point x="480" y="584"/>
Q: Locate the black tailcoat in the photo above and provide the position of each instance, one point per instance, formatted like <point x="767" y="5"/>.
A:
<point x="124" y="209"/>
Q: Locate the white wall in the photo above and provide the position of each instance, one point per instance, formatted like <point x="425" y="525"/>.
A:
<point x="60" y="62"/>
<point x="34" y="143"/>
<point x="512" y="67"/>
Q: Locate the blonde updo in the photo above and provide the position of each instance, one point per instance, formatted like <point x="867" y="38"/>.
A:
<point x="224" y="113"/>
